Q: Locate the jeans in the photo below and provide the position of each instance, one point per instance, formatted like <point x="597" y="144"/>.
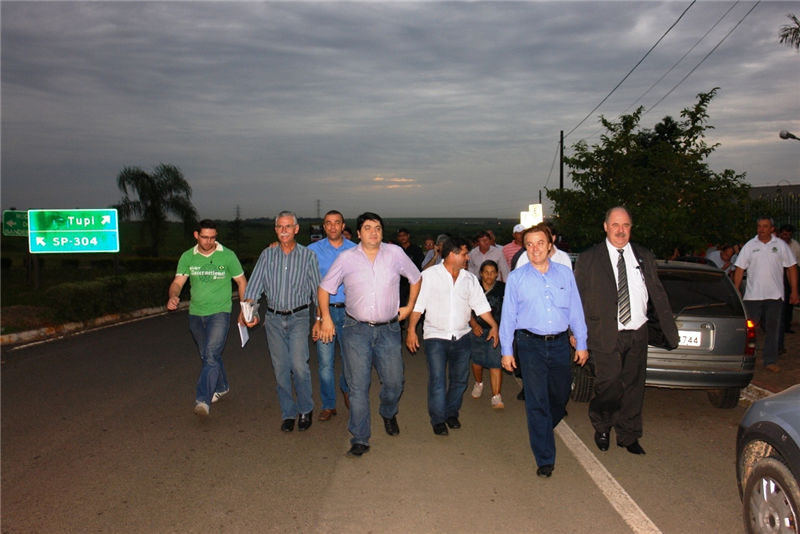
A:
<point x="365" y="345"/>
<point x="444" y="400"/>
<point x="325" y="356"/>
<point x="547" y="377"/>
<point x="210" y="332"/>
<point x="767" y="313"/>
<point x="287" y="336"/>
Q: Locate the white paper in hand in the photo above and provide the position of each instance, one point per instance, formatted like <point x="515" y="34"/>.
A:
<point x="248" y="309"/>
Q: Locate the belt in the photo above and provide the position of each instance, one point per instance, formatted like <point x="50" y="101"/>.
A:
<point x="336" y="304"/>
<point x="372" y="323"/>
<point x="287" y="312"/>
<point x="549" y="337"/>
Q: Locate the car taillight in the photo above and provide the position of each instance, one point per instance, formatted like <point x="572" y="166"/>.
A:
<point x="750" y="344"/>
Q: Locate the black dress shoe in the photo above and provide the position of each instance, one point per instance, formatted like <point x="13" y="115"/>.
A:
<point x="634" y="448"/>
<point x="521" y="395"/>
<point x="287" y="425"/>
<point x="391" y="426"/>
<point x="453" y="422"/>
<point x="545" y="471"/>
<point x="305" y="421"/>
<point x="601" y="440"/>
<point x="440" y="429"/>
<point x="358" y="449"/>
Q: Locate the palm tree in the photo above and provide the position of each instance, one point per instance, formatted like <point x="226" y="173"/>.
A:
<point x="790" y="33"/>
<point x="160" y="194"/>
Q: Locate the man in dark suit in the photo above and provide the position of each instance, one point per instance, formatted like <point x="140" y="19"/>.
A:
<point x="626" y="308"/>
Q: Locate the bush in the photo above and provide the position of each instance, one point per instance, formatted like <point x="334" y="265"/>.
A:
<point x="81" y="301"/>
<point x="102" y="264"/>
<point x="70" y="264"/>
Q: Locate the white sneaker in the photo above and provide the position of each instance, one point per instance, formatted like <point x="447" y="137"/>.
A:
<point x="497" y="402"/>
<point x="477" y="390"/>
<point x="218" y="395"/>
<point x="201" y="408"/>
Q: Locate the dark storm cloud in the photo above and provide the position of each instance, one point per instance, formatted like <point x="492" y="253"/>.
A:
<point x="401" y="108"/>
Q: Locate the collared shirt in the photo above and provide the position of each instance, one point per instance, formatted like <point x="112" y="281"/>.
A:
<point x="476" y="258"/>
<point x="542" y="303"/>
<point x="326" y="254"/>
<point x="447" y="304"/>
<point x="559" y="256"/>
<point x="637" y="289"/>
<point x="716" y="258"/>
<point x="209" y="279"/>
<point x="765" y="263"/>
<point x="288" y="280"/>
<point x="371" y="288"/>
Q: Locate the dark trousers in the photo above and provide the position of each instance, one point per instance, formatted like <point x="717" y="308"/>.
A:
<point x="547" y="377"/>
<point x="619" y="387"/>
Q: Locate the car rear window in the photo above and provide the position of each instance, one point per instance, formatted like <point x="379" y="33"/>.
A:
<point x="700" y="293"/>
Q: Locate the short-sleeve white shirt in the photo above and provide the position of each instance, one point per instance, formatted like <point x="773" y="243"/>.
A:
<point x="447" y="304"/>
<point x="764" y="263"/>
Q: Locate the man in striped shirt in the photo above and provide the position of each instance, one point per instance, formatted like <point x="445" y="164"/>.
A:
<point x="288" y="275"/>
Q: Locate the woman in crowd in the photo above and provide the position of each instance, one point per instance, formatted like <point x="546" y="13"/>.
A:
<point x="483" y="353"/>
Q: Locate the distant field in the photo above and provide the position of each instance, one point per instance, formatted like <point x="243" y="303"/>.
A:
<point x="258" y="233"/>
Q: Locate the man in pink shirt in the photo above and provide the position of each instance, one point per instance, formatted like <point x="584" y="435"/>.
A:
<point x="371" y="275"/>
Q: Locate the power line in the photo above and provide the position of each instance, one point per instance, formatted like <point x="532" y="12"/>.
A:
<point x="633" y="69"/>
<point x="702" y="60"/>
<point x="671" y="68"/>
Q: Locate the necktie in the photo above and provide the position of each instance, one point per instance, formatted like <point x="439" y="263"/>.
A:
<point x="623" y="296"/>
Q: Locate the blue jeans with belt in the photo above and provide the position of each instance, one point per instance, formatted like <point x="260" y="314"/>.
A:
<point x="444" y="400"/>
<point x="325" y="355"/>
<point x="547" y="376"/>
<point x="365" y="346"/>
<point x="287" y="336"/>
<point x="210" y="332"/>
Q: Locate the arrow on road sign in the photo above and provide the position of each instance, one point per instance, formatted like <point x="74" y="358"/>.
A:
<point x="40" y="241"/>
<point x="106" y="219"/>
<point x="11" y="223"/>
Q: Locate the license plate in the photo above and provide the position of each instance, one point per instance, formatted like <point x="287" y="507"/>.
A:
<point x="689" y="338"/>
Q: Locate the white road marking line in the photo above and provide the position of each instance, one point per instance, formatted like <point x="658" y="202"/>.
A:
<point x="616" y="495"/>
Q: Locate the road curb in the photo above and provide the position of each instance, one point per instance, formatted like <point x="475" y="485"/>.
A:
<point x="54" y="332"/>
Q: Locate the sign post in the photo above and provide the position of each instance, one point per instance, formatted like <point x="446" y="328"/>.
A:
<point x="15" y="223"/>
<point x="63" y="231"/>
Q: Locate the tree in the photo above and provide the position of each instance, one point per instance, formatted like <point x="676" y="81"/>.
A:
<point x="789" y="34"/>
<point x="160" y="194"/>
<point x="661" y="176"/>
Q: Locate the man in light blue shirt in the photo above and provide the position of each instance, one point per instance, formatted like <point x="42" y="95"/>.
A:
<point x="540" y="306"/>
<point x="327" y="250"/>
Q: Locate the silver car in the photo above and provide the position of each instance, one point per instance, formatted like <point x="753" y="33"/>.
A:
<point x="717" y="341"/>
<point x="768" y="463"/>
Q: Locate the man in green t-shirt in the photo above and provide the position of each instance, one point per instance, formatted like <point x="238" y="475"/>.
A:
<point x="210" y="267"/>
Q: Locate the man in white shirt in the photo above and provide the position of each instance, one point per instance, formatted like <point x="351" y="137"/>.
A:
<point x="724" y="259"/>
<point x="448" y="295"/>
<point x="765" y="257"/>
<point x="485" y="251"/>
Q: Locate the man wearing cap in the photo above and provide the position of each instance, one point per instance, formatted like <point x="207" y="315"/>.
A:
<point x="510" y="250"/>
<point x="288" y="275"/>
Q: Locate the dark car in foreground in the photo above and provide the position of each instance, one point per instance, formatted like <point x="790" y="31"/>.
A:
<point x="768" y="463"/>
<point x="717" y="342"/>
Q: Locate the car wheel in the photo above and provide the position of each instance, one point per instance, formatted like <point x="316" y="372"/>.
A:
<point x="582" y="384"/>
<point x="770" y="499"/>
<point x="725" y="398"/>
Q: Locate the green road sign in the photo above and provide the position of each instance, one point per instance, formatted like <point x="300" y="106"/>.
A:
<point x="15" y="223"/>
<point x="92" y="230"/>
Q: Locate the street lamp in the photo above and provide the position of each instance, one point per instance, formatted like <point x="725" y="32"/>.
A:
<point x="788" y="135"/>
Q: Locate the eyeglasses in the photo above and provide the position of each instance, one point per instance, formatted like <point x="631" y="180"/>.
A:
<point x="208" y="237"/>
<point x="285" y="226"/>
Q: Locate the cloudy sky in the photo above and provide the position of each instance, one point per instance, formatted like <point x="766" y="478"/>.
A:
<point x="406" y="109"/>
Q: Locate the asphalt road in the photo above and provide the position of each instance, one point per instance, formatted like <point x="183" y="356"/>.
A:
<point x="98" y="435"/>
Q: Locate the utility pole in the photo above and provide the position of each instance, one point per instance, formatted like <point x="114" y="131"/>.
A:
<point x="561" y="162"/>
<point x="319" y="209"/>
